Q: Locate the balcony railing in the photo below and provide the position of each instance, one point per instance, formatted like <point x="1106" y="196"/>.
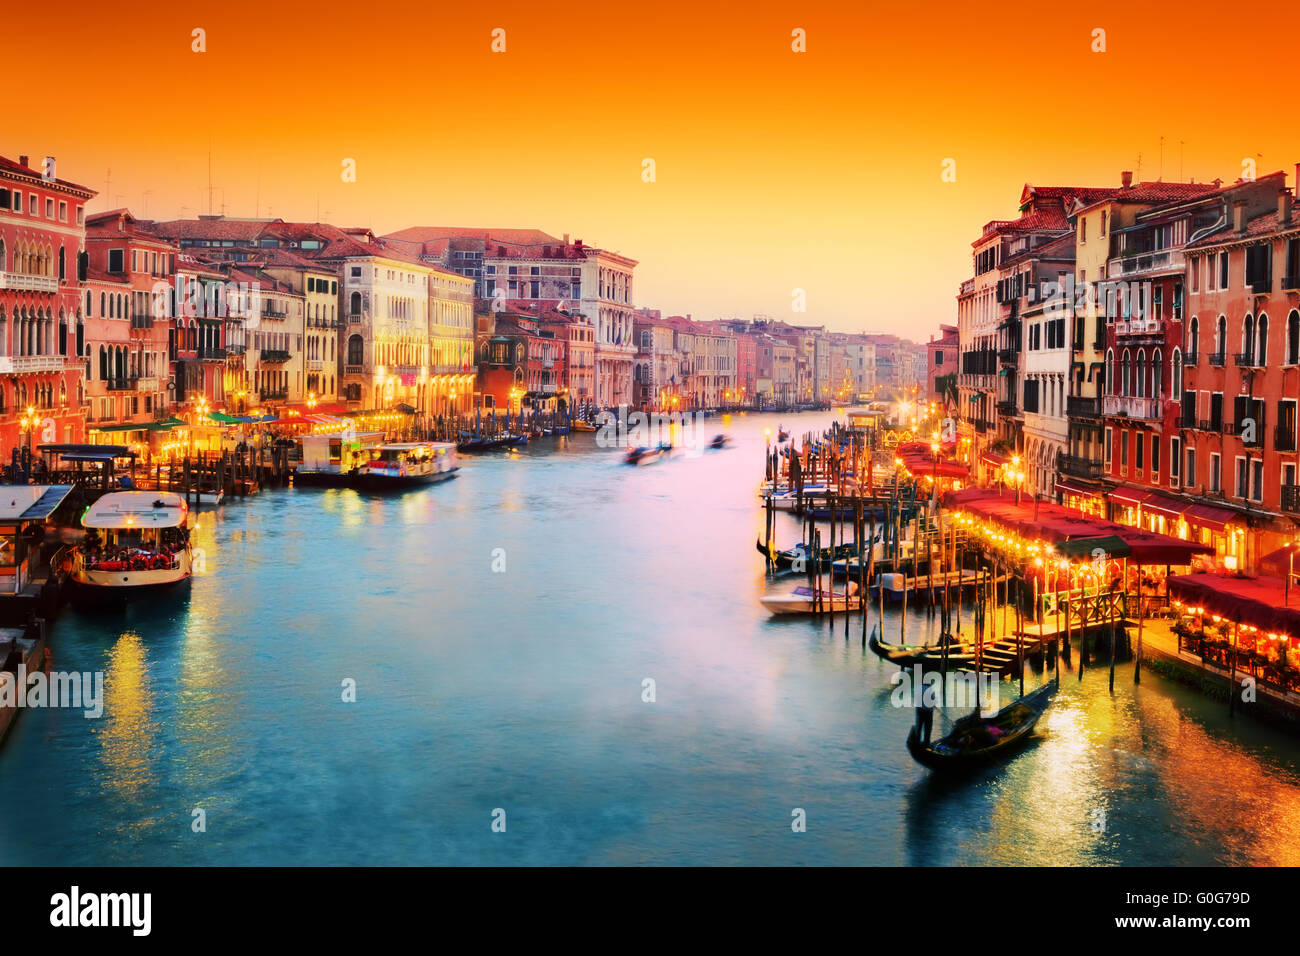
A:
<point x="1166" y="260"/>
<point x="1130" y="406"/>
<point x="1251" y="435"/>
<point x="274" y="355"/>
<point x="354" y="370"/>
<point x="1218" y="359"/>
<point x="273" y="394"/>
<point x="1077" y="406"/>
<point x="1261" y="286"/>
<point x="1077" y="467"/>
<point x="1244" y="359"/>
<point x="26" y="283"/>
<point x="1291" y="498"/>
<point x="120" y="384"/>
<point x="1007" y="355"/>
<point x="33" y="363"/>
<point x="1006" y="408"/>
<point x="1140" y="327"/>
<point x="146" y="384"/>
<point x="1291" y="283"/>
<point x="1191" y="359"/>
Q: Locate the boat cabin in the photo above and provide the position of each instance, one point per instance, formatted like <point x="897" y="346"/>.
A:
<point x="127" y="529"/>
<point x="338" y="453"/>
<point x="24" y="509"/>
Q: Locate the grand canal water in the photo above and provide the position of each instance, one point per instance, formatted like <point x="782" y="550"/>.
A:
<point x="522" y="690"/>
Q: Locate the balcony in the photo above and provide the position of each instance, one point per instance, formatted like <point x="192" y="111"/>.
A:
<point x="268" y="313"/>
<point x="1291" y="283"/>
<point x="1244" y="359"/>
<point x="1140" y="327"/>
<point x="1077" y="406"/>
<point x="1284" y="438"/>
<point x="354" y="370"/>
<point x="1291" y="498"/>
<point x="32" y="363"/>
<point x="1077" y="467"/>
<point x="1166" y="260"/>
<point x="1129" y="406"/>
<point x="25" y="283"/>
<point x="120" y="385"/>
<point x="1191" y="359"/>
<point x="146" y="384"/>
<point x="212" y="354"/>
<point x="1007" y="356"/>
<point x="1006" y="409"/>
<point x="1218" y="359"/>
<point x="274" y="356"/>
<point x="1261" y="286"/>
<point x="358" y="318"/>
<point x="273" y="394"/>
<point x="315" y="365"/>
<point x="1257" y="428"/>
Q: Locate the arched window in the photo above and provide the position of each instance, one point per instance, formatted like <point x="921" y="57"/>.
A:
<point x="1248" y="337"/>
<point x="1125" y="381"/>
<point x="1193" y="343"/>
<point x="1261" y="342"/>
<point x="1157" y="373"/>
<point x="356" y="303"/>
<point x="1140" y="374"/>
<point x="356" y="350"/>
<point x="1293" y="338"/>
<point x="1221" y="336"/>
<point x="1176" y="379"/>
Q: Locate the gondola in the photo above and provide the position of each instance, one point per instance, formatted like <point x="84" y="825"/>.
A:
<point x="977" y="741"/>
<point x="906" y="655"/>
<point x="784" y="560"/>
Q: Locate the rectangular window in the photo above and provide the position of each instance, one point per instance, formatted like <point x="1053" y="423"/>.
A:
<point x="1241" y="487"/>
<point x="115" y="257"/>
<point x="1257" y="479"/>
<point x="1216" y="473"/>
<point x="1223" y="271"/>
<point x="63" y="212"/>
<point x="1189" y="473"/>
<point x="1107" y="450"/>
<point x="1123" y="450"/>
<point x="31" y="205"/>
<point x="49" y="209"/>
<point x="1175" y="459"/>
<point x="1216" y="411"/>
<point x="1155" y="458"/>
<point x="1139" y="451"/>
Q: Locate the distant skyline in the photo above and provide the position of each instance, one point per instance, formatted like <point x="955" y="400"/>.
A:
<point x="775" y="170"/>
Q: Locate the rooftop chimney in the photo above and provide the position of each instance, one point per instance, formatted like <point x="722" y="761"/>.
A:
<point x="1126" y="178"/>
<point x="566" y="238"/>
<point x="1239" y="215"/>
<point x="22" y="160"/>
<point x="1283" y="206"/>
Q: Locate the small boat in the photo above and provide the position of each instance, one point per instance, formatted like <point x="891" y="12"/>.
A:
<point x="642" y="455"/>
<point x="583" y="426"/>
<point x="402" y="464"/>
<point x="785" y="560"/>
<point x="514" y="441"/>
<point x="906" y="655"/>
<point x="136" y="541"/>
<point x="977" y="741"/>
<point x="719" y="441"/>
<point x="806" y="600"/>
<point x="782" y="435"/>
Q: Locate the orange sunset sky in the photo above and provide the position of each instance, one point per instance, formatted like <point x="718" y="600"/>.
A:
<point x="775" y="170"/>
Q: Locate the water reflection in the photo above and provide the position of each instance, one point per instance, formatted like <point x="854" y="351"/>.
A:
<point x="524" y="689"/>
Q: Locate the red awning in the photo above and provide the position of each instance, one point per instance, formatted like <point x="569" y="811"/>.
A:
<point x="1208" y="516"/>
<point x="1130" y="494"/>
<point x="996" y="459"/>
<point x="1074" y="488"/>
<point x="1257" y="601"/>
<point x="1166" y="505"/>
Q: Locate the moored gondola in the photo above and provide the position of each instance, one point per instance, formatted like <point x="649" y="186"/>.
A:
<point x="785" y="560"/>
<point x="906" y="655"/>
<point x="977" y="741"/>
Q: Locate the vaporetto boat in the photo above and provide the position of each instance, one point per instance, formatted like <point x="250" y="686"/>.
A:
<point x="135" y="540"/>
<point x="408" y="463"/>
